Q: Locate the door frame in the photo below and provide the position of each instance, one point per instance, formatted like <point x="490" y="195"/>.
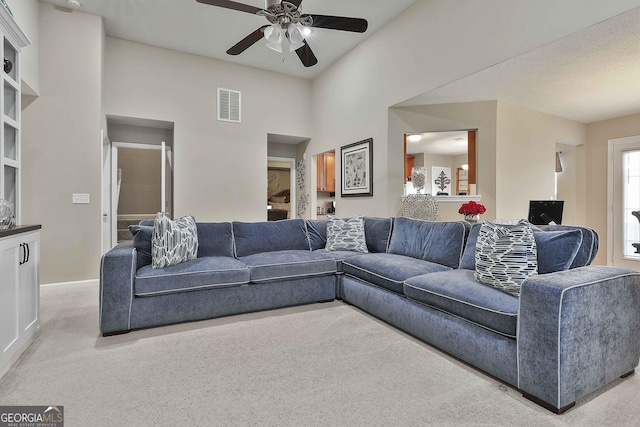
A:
<point x="612" y="182"/>
<point x="106" y="234"/>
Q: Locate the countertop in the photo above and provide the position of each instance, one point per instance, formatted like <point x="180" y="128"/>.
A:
<point x="19" y="230"/>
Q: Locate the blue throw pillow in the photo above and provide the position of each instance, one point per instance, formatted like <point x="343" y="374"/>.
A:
<point x="556" y="249"/>
<point x="142" y="235"/>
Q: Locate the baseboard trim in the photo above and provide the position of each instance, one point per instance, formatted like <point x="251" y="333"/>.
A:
<point x="92" y="282"/>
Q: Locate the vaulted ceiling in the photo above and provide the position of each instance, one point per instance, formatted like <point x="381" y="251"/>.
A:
<point x="587" y="76"/>
<point x="200" y="29"/>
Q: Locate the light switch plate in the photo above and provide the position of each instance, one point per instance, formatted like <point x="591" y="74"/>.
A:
<point x="81" y="198"/>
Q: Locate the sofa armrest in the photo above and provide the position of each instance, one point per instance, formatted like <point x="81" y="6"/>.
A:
<point x="577" y="331"/>
<point x="117" y="271"/>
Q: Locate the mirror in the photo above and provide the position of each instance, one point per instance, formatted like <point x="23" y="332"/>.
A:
<point x="451" y="155"/>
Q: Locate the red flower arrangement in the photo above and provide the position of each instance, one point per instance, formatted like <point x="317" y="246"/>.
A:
<point x="472" y="208"/>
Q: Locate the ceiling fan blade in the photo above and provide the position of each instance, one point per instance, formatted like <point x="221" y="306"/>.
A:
<point x="247" y="42"/>
<point x="306" y="55"/>
<point x="342" y="23"/>
<point x="227" y="4"/>
<point x="296" y="3"/>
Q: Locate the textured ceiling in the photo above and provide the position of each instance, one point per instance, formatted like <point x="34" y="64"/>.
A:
<point x="192" y="27"/>
<point x="591" y="75"/>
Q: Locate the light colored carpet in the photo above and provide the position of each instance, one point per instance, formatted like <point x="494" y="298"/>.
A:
<point x="323" y="364"/>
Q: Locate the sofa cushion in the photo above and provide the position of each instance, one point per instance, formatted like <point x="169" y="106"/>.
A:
<point x="505" y="256"/>
<point x="438" y="242"/>
<point x="458" y="293"/>
<point x="284" y="265"/>
<point x="268" y="236"/>
<point x="468" y="260"/>
<point x="346" y="234"/>
<point x="142" y="235"/>
<point x="215" y="239"/>
<point x="200" y="273"/>
<point x="388" y="271"/>
<point x="377" y="232"/>
<point x="173" y="241"/>
<point x="338" y="256"/>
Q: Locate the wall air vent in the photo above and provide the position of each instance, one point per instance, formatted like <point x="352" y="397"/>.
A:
<point x="229" y="105"/>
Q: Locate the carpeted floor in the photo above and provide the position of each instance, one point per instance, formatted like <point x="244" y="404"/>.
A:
<point x="323" y="364"/>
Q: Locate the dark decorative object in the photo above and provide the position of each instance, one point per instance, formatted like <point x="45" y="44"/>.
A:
<point x="357" y="169"/>
<point x="636" y="245"/>
<point x="8" y="66"/>
<point x="288" y="27"/>
<point x="442" y="181"/>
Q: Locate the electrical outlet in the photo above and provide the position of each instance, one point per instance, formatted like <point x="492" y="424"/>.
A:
<point x="81" y="198"/>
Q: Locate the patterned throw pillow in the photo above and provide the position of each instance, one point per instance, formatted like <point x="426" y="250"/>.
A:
<point x="173" y="242"/>
<point x="505" y="256"/>
<point x="346" y="235"/>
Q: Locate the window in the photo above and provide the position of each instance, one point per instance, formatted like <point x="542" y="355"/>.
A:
<point x="631" y="202"/>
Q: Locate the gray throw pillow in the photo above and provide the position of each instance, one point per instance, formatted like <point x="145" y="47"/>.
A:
<point x="173" y="242"/>
<point x="505" y="256"/>
<point x="346" y="235"/>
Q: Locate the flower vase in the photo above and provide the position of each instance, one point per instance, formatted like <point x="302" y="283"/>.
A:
<point x="472" y="219"/>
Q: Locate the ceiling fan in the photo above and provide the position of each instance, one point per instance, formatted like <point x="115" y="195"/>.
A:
<point x="288" y="27"/>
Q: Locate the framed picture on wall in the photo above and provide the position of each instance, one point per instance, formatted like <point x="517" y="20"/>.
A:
<point x="357" y="169"/>
<point x="462" y="182"/>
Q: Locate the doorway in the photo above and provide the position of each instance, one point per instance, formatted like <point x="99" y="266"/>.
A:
<point x="137" y="174"/>
<point x="143" y="184"/>
<point x="623" y="217"/>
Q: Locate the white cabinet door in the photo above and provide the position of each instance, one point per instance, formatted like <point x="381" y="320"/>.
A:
<point x="28" y="283"/>
<point x="19" y="295"/>
<point x="8" y="295"/>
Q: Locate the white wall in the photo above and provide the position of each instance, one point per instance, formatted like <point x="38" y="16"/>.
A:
<point x="220" y="168"/>
<point x="567" y="182"/>
<point x="525" y="156"/>
<point x="61" y="146"/>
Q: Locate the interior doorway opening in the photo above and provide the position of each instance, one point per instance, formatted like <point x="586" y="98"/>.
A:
<point x="284" y="152"/>
<point x="137" y="174"/>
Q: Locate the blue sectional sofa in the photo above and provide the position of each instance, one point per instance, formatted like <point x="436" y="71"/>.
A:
<point x="574" y="328"/>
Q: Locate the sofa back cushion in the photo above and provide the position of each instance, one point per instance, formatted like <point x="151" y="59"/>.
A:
<point x="215" y="239"/>
<point x="142" y="235"/>
<point x="256" y="237"/>
<point x="439" y="242"/>
<point x="560" y="247"/>
<point x="377" y="232"/>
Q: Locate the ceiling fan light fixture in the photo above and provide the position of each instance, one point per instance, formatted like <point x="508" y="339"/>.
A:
<point x="284" y="41"/>
<point x="295" y="35"/>
<point x="272" y="34"/>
